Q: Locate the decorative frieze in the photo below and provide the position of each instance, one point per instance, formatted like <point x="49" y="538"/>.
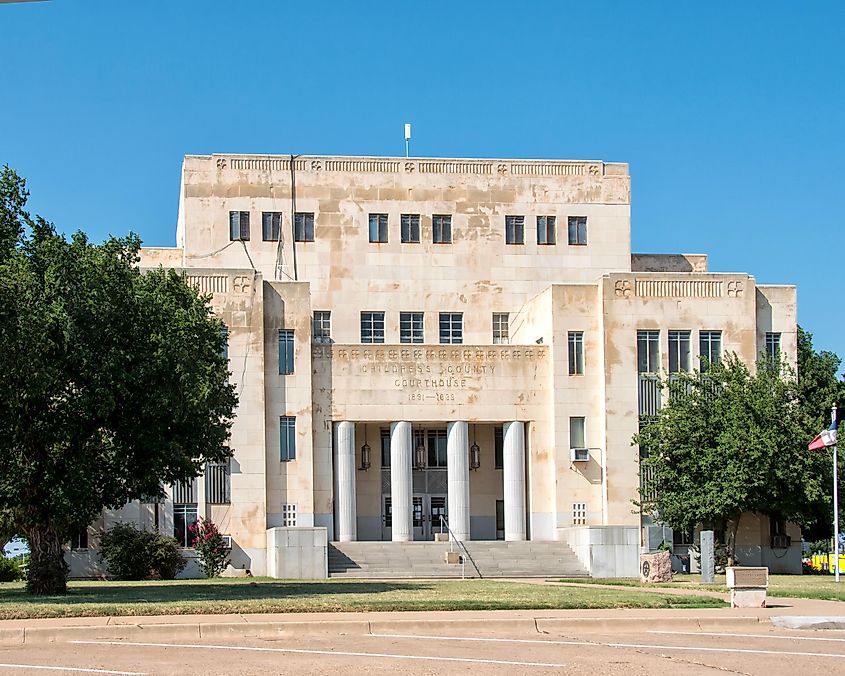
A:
<point x="209" y="283"/>
<point x="678" y="288"/>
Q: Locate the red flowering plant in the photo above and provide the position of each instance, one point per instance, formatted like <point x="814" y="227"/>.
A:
<point x="212" y="550"/>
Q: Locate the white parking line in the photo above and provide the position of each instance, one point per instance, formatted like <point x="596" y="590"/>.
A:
<point x="301" y="651"/>
<point x="79" y="669"/>
<point x="713" y="633"/>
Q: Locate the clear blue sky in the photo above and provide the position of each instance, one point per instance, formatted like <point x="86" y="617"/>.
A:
<point x="730" y="114"/>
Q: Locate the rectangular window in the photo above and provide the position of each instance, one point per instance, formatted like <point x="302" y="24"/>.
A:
<point x="322" y="326"/>
<point x="579" y="513"/>
<point x="184" y="516"/>
<point x="79" y="538"/>
<point x="514" y="229"/>
<point x="577" y="432"/>
<point x="410" y="228"/>
<point x="436" y="448"/>
<point x="441" y="229"/>
<point x="218" y="490"/>
<point x="501" y="328"/>
<point x="498" y="447"/>
<point x="303" y="227"/>
<point x="578" y="230"/>
<point x="385" y="446"/>
<point x="679" y="351"/>
<point x="378" y="228"/>
<point x="271" y="226"/>
<point x="288" y="516"/>
<point x="224" y="333"/>
<point x="239" y="225"/>
<point x="372" y="327"/>
<point x="710" y="348"/>
<point x="546" y="230"/>
<point x="285" y="351"/>
<point x="648" y="351"/>
<point x="772" y="345"/>
<point x="287" y="438"/>
<point x="411" y="327"/>
<point x="451" y="327"/>
<point x="576" y="353"/>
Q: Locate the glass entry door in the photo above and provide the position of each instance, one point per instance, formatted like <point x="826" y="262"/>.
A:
<point x="419" y="518"/>
<point x="437" y="508"/>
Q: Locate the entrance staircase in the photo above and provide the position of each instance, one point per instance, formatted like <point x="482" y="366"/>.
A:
<point x="427" y="560"/>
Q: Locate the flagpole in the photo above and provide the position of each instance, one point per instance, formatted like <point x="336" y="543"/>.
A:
<point x="835" y="503"/>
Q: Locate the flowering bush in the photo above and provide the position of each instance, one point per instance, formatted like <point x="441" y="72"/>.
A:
<point x="211" y="548"/>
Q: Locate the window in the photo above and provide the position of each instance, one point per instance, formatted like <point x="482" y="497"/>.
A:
<point x="500" y="328"/>
<point x="441" y="229"/>
<point x="546" y="230"/>
<point x="579" y="513"/>
<point x="239" y="225"/>
<point x="679" y="351"/>
<point x="322" y="326"/>
<point x="451" y="327"/>
<point x="410" y="228"/>
<point x="498" y="447"/>
<point x="184" y="516"/>
<point x="773" y="345"/>
<point x="385" y="447"/>
<point x="303" y="227"/>
<point x="378" y="228"/>
<point x="436" y="448"/>
<point x="710" y="348"/>
<point x="578" y="230"/>
<point x="217" y="483"/>
<point x="577" y="432"/>
<point x="514" y="229"/>
<point x="288" y="516"/>
<point x="576" y="353"/>
<point x="285" y="351"/>
<point x="648" y="351"/>
<point x="224" y="333"/>
<point x="79" y="538"/>
<point x="372" y="327"/>
<point x="287" y="438"/>
<point x="410" y="327"/>
<point x="271" y="226"/>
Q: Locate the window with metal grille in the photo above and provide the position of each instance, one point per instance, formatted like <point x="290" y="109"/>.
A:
<point x="679" y="351"/>
<point x="577" y="432"/>
<point x="289" y="515"/>
<point x="303" y="226"/>
<point x="218" y="489"/>
<point x="410" y="228"/>
<point x="578" y="230"/>
<point x="441" y="229"/>
<point x="378" y="228"/>
<point x="579" y="513"/>
<point x="772" y="345"/>
<point x="451" y="327"/>
<point x="710" y="348"/>
<point x="501" y="328"/>
<point x="411" y="327"/>
<point x="184" y="516"/>
<point x="271" y="226"/>
<point x="498" y="447"/>
<point x="185" y="491"/>
<point x="372" y="327"/>
<point x="648" y="351"/>
<point x="79" y="538"/>
<point x="238" y="225"/>
<point x="287" y="438"/>
<point x="514" y="229"/>
<point x="286" y="351"/>
<point x="546" y="230"/>
<point x="576" y="353"/>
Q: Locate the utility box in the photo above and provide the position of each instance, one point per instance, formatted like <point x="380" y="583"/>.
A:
<point x="748" y="586"/>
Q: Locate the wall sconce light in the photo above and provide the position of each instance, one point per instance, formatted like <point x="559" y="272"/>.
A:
<point x="365" y="452"/>
<point x="419" y="457"/>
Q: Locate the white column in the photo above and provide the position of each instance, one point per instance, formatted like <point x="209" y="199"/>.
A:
<point x="457" y="469"/>
<point x="401" y="488"/>
<point x="514" y="480"/>
<point x="344" y="487"/>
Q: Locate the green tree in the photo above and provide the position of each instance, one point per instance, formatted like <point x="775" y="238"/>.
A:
<point x="113" y="381"/>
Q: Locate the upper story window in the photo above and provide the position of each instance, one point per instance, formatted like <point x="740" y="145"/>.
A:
<point x="772" y="345"/>
<point x="578" y="230"/>
<point x="239" y="225"/>
<point x="384" y="435"/>
<point x="514" y="229"/>
<point x="287" y="438"/>
<point x="286" y="351"/>
<point x="710" y="348"/>
<point x="575" y="340"/>
<point x="437" y="448"/>
<point x="303" y="226"/>
<point x="410" y="228"/>
<point x="441" y="229"/>
<point x="378" y="228"/>
<point x="224" y="333"/>
<point x="372" y="327"/>
<point x="322" y="326"/>
<point x="451" y="327"/>
<point x="411" y="327"/>
<point x="546" y="230"/>
<point x="271" y="226"/>
<point x="679" y="351"/>
<point x="501" y="327"/>
<point x="498" y="447"/>
<point x="648" y="351"/>
<point x="577" y="432"/>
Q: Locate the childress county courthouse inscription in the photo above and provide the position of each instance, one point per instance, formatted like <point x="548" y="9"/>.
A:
<point x="435" y="374"/>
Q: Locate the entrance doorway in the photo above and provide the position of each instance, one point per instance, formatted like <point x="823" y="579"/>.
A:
<point x="426" y="513"/>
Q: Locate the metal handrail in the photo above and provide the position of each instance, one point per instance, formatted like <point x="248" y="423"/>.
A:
<point x="444" y="522"/>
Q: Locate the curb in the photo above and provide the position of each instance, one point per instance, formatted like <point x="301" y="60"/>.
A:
<point x="809" y="622"/>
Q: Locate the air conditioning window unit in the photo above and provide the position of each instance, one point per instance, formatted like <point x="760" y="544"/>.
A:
<point x="781" y="541"/>
<point x="579" y="454"/>
<point x="227" y="540"/>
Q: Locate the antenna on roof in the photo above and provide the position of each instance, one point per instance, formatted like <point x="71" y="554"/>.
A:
<point x="407" y="138"/>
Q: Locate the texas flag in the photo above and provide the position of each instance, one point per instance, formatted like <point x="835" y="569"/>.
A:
<point x="825" y="439"/>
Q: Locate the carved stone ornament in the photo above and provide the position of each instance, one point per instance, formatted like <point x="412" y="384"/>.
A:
<point x="735" y="289"/>
<point x="409" y="167"/>
<point x="241" y="284"/>
<point x="316" y="165"/>
<point x="623" y="288"/>
<point x="502" y="168"/>
<point x="221" y="163"/>
<point x="594" y="170"/>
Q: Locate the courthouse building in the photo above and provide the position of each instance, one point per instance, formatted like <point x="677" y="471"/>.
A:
<point x="428" y="343"/>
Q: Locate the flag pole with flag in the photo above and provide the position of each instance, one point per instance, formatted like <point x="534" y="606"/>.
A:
<point x="824" y="440"/>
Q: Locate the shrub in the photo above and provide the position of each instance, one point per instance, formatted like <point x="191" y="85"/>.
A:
<point x="167" y="558"/>
<point x="212" y="552"/>
<point x="9" y="570"/>
<point x="133" y="554"/>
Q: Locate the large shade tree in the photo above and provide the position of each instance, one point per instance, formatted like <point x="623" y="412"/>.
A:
<point x="112" y="381"/>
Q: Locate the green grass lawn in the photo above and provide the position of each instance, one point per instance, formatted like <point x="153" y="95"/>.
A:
<point x="793" y="586"/>
<point x="264" y="595"/>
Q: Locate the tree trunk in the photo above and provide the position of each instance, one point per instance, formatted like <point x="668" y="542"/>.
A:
<point x="47" y="574"/>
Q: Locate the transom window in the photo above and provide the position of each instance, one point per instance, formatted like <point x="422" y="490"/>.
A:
<point x="271" y="226"/>
<point x="410" y="228"/>
<point x="322" y="326"/>
<point x="578" y="230"/>
<point x="378" y="228"/>
<point x="303" y="226"/>
<point x="372" y="327"/>
<point x="514" y="229"/>
<point x="772" y="345"/>
<point x="546" y="230"/>
<point x="501" y="328"/>
<point x="287" y="438"/>
<point x="576" y="353"/>
<point x="239" y="225"/>
<point x="648" y="351"/>
<point x="451" y="327"/>
<point x="679" y="351"/>
<point x="411" y="327"/>
<point x="710" y="348"/>
<point x="286" y="351"/>
<point x="441" y="229"/>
